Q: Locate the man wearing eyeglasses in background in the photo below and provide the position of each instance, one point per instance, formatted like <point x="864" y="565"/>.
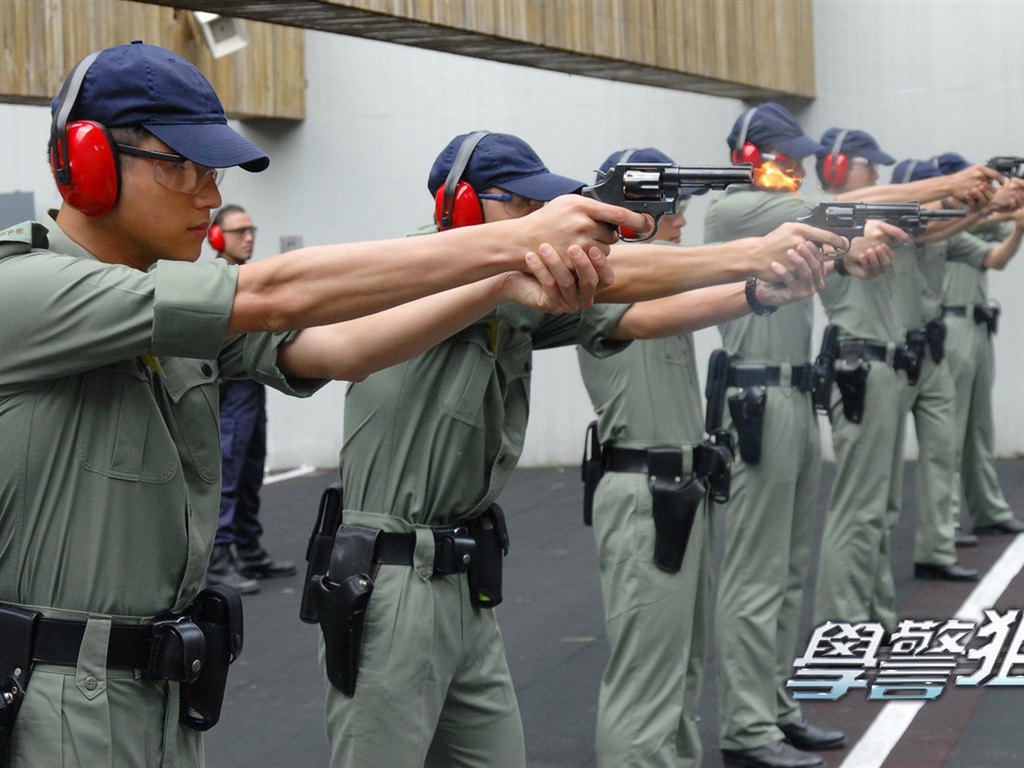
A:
<point x="113" y="343"/>
<point x="239" y="558"/>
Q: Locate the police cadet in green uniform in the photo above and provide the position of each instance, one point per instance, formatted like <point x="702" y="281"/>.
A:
<point x="429" y="445"/>
<point x="971" y="319"/>
<point x="920" y="272"/>
<point x="657" y="595"/>
<point x="113" y="344"/>
<point x="855" y="580"/>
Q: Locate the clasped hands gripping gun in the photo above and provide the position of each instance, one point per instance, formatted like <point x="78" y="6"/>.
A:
<point x="654" y="189"/>
<point x="848" y="219"/>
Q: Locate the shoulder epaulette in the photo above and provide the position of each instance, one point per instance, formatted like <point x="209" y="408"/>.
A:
<point x="22" y="238"/>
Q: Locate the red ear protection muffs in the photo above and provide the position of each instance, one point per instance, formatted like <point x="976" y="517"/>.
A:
<point x="456" y="203"/>
<point x="743" y="151"/>
<point x="216" y="237"/>
<point x="83" y="157"/>
<point x="836" y="168"/>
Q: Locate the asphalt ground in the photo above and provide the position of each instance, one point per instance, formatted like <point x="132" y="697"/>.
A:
<point x="553" y="626"/>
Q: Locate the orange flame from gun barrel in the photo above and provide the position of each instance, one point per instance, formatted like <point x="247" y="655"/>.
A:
<point x="770" y="176"/>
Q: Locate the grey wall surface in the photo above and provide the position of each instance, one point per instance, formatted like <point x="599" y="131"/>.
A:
<point x="922" y="77"/>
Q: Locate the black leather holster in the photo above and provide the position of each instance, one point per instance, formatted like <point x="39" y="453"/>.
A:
<point x="747" y="408"/>
<point x="852" y="381"/>
<point x="17" y="635"/>
<point x="675" y="505"/>
<point x="217" y="613"/>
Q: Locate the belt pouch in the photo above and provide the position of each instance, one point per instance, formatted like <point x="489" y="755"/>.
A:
<point x="674" y="505"/>
<point x="318" y="549"/>
<point x="747" y="410"/>
<point x="712" y="460"/>
<point x="217" y="612"/>
<point x="342" y="595"/>
<point x="852" y="380"/>
<point x="935" y="335"/>
<point x="491" y="536"/>
<point x="910" y="357"/>
<point x="989" y="315"/>
<point x="591" y="471"/>
<point x="17" y="631"/>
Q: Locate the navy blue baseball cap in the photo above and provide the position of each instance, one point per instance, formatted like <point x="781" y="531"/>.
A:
<point x="951" y="162"/>
<point x="860" y="143"/>
<point x="506" y="161"/>
<point x="140" y="85"/>
<point x="644" y="155"/>
<point x="914" y="170"/>
<point x="771" y="125"/>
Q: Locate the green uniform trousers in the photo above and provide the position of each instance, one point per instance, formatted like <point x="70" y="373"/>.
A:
<point x="855" y="581"/>
<point x="449" y="704"/>
<point x="768" y="531"/>
<point x="932" y="404"/>
<point x="973" y="368"/>
<point x="657" y="625"/>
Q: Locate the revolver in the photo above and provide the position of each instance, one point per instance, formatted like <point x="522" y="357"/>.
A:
<point x="1008" y="165"/>
<point x="654" y="189"/>
<point x="848" y="219"/>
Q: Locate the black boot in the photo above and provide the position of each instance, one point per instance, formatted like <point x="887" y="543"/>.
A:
<point x="223" y="570"/>
<point x="254" y="561"/>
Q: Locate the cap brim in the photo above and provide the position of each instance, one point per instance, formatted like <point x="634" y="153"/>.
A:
<point x="216" y="145"/>
<point x="542" y="186"/>
<point x="798" y="146"/>
<point x="875" y="156"/>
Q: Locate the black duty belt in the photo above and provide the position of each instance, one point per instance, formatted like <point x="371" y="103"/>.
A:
<point x="954" y="311"/>
<point x="864" y="349"/>
<point x="59" y="641"/>
<point x="624" y="459"/>
<point x="453" y="549"/>
<point x="801" y="377"/>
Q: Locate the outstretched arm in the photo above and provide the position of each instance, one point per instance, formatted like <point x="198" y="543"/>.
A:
<point x="328" y="284"/>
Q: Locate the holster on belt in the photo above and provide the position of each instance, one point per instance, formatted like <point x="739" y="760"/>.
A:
<point x="989" y="315"/>
<point x="341" y="597"/>
<point x="17" y="634"/>
<point x="318" y="549"/>
<point x="852" y="380"/>
<point x="675" y="505"/>
<point x="217" y="613"/>
<point x="747" y="409"/>
<point x="935" y="335"/>
<point x="591" y="470"/>
<point x="825" y="370"/>
<point x="491" y="536"/>
<point x="910" y="357"/>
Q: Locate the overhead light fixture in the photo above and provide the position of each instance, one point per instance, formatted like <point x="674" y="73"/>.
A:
<point x="223" y="34"/>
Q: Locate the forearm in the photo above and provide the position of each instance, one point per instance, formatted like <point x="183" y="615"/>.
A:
<point x="923" y="191"/>
<point x="1000" y="256"/>
<point x="652" y="271"/>
<point x="332" y="283"/>
<point x="683" y="313"/>
<point x="354" y="349"/>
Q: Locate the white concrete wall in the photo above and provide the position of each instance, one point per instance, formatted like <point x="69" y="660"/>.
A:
<point x="923" y="77"/>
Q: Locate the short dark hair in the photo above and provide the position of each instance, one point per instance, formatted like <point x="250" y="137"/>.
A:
<point x="229" y="208"/>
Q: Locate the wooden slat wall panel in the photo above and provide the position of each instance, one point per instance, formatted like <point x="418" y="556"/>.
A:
<point x="43" y="39"/>
<point x="740" y="48"/>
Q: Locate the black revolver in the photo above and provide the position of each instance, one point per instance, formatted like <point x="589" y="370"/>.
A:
<point x="654" y="188"/>
<point x="848" y="219"/>
<point x="1008" y="165"/>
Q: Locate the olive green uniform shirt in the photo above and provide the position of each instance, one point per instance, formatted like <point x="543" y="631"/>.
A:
<point x="110" y="473"/>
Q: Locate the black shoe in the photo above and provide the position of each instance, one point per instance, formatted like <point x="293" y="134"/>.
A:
<point x="802" y="735"/>
<point x="965" y="539"/>
<point x="223" y="570"/>
<point x="1012" y="526"/>
<point x="952" y="572"/>
<point x="257" y="563"/>
<point x="778" y="754"/>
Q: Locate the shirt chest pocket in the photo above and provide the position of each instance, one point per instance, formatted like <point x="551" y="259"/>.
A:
<point x="121" y="433"/>
<point x="195" y="414"/>
<point x="468" y="370"/>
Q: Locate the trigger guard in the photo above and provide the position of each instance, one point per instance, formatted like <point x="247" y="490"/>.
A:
<point x="628" y="235"/>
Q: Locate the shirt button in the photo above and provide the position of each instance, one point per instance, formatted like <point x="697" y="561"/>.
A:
<point x="91" y="683"/>
<point x="206" y="369"/>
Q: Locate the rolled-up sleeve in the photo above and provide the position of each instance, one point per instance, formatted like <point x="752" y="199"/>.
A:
<point x="192" y="308"/>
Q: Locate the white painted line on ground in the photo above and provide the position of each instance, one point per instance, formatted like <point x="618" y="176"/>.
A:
<point x="289" y="475"/>
<point x="892" y="722"/>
